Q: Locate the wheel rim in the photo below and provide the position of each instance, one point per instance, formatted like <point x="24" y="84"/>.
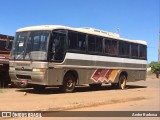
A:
<point x="122" y="82"/>
<point x="22" y="84"/>
<point x="69" y="84"/>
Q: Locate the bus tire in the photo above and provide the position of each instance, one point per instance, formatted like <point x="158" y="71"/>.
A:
<point x="21" y="84"/>
<point x="95" y="86"/>
<point x="38" y="87"/>
<point x="68" y="83"/>
<point x="114" y="85"/>
<point x="122" y="82"/>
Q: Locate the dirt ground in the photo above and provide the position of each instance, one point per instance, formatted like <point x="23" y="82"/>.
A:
<point x="138" y="96"/>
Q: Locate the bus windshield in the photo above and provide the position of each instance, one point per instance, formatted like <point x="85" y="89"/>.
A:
<point x="30" y="45"/>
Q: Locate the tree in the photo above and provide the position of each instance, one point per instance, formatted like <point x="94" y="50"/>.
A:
<point x="155" y="66"/>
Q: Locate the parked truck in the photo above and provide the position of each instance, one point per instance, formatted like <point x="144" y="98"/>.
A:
<point x="5" y="47"/>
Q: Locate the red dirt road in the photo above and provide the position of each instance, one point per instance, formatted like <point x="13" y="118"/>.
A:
<point x="139" y="96"/>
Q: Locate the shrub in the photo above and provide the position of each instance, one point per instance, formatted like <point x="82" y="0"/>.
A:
<point x="155" y="66"/>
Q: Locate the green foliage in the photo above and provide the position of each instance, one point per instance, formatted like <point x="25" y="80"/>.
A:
<point x="155" y="66"/>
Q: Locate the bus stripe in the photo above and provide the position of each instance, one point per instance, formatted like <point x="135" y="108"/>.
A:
<point x="77" y="56"/>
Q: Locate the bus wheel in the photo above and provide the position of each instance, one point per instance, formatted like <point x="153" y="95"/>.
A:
<point x="95" y="86"/>
<point x="122" y="82"/>
<point x="21" y="84"/>
<point x="68" y="83"/>
<point x="114" y="85"/>
<point x="38" y="87"/>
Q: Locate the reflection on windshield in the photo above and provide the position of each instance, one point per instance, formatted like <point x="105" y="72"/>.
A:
<point x="19" y="45"/>
<point x="30" y="45"/>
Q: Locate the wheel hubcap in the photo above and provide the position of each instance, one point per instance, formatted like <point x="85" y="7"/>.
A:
<point x="69" y="83"/>
<point x="122" y="82"/>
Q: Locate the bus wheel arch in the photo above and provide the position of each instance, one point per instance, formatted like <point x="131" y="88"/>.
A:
<point x="69" y="81"/>
<point x="124" y="73"/>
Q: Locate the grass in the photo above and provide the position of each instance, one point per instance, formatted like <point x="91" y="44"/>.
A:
<point x="1" y="90"/>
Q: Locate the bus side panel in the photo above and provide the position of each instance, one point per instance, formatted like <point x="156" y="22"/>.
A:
<point x="95" y="76"/>
<point x="55" y="76"/>
<point x="85" y="75"/>
<point x="136" y="75"/>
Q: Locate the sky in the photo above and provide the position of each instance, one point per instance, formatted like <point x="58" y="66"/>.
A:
<point x="136" y="19"/>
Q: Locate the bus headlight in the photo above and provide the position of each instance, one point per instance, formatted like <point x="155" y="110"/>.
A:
<point x="11" y="68"/>
<point x="38" y="69"/>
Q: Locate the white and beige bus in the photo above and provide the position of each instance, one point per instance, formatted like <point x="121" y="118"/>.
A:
<point x="53" y="55"/>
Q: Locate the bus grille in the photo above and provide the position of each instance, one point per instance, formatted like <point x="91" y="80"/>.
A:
<point x="23" y="76"/>
<point x="20" y="69"/>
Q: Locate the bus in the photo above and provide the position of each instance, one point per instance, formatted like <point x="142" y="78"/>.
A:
<point x="55" y="55"/>
<point x="5" y="47"/>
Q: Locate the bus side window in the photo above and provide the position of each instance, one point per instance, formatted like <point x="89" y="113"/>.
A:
<point x="91" y="43"/>
<point x="99" y="44"/>
<point x="114" y="47"/>
<point x="107" y="46"/>
<point x="81" y="42"/>
<point x="134" y="50"/>
<point x="142" y="51"/>
<point x="72" y="40"/>
<point x="124" y="48"/>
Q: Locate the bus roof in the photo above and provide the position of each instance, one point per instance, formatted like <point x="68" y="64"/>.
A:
<point x="82" y="30"/>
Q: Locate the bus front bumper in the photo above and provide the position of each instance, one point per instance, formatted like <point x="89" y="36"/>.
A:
<point x="29" y="77"/>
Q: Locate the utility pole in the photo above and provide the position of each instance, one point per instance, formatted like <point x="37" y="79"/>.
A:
<point x="159" y="49"/>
